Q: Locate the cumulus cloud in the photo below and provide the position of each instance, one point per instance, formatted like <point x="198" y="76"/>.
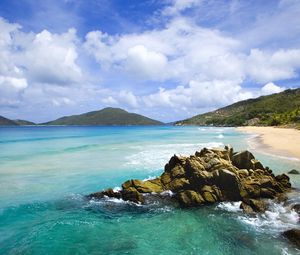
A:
<point x="39" y="58"/>
<point x="265" y="66"/>
<point x="145" y="63"/>
<point x="271" y="88"/>
<point x="125" y="98"/>
<point x="198" y="94"/>
<point x="51" y="58"/>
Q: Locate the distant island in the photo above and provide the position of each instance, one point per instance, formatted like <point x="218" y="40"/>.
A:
<point x="106" y="116"/>
<point x="281" y="109"/>
<point x="273" y="110"/>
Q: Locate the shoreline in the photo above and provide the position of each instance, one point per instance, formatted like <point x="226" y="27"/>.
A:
<point x="284" y="142"/>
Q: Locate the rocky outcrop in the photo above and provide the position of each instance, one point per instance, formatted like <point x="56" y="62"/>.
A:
<point x="293" y="235"/>
<point x="294" y="171"/>
<point x="209" y="176"/>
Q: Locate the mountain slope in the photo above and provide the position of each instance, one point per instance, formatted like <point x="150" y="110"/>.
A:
<point x="24" y="122"/>
<point x="106" y="116"/>
<point x="276" y="109"/>
<point x="7" y="122"/>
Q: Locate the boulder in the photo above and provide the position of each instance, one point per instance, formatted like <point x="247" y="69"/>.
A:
<point x="256" y="205"/>
<point x="294" y="171"/>
<point x="131" y="194"/>
<point x="242" y="160"/>
<point x="296" y="208"/>
<point x="229" y="184"/>
<point x="293" y="235"/>
<point x="190" y="198"/>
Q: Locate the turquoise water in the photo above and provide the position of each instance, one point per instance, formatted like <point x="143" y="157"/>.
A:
<point x="46" y="171"/>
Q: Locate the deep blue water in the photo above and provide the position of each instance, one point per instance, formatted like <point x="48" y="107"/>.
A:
<point x="46" y="171"/>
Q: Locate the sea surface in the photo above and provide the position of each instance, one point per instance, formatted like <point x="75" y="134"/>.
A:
<point x="46" y="171"/>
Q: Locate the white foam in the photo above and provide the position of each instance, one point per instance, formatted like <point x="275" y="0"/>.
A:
<point x="277" y="218"/>
<point x="167" y="193"/>
<point x="230" y="206"/>
<point x="117" y="189"/>
<point x="220" y="136"/>
<point x="149" y="178"/>
<point x="154" y="157"/>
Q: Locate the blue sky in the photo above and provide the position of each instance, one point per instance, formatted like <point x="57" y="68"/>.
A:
<point x="165" y="59"/>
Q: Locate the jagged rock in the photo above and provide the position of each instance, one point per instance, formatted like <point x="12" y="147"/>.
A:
<point x="242" y="160"/>
<point x="178" y="184"/>
<point x="293" y="235"/>
<point x="246" y="208"/>
<point x="108" y="193"/>
<point x="131" y="194"/>
<point x="189" y="198"/>
<point x="209" y="176"/>
<point x="229" y="184"/>
<point x="256" y="205"/>
<point x="294" y="171"/>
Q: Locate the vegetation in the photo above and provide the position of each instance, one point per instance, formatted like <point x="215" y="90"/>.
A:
<point x="7" y="122"/>
<point x="272" y="110"/>
<point x="24" y="122"/>
<point x="106" y="116"/>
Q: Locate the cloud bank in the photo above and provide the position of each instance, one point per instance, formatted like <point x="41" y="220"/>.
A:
<point x="171" y="71"/>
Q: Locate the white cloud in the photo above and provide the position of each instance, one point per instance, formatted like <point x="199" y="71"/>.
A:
<point x="39" y="58"/>
<point x="123" y="98"/>
<point x="109" y="101"/>
<point x="271" y="88"/>
<point x="178" y="6"/>
<point x="198" y="94"/>
<point x="145" y="63"/>
<point x="180" y="51"/>
<point x="16" y="84"/>
<point x="51" y="58"/>
<point x="266" y="67"/>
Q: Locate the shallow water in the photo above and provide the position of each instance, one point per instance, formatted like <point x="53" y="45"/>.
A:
<point x="45" y="171"/>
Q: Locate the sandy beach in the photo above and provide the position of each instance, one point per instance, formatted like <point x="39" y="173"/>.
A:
<point x="279" y="141"/>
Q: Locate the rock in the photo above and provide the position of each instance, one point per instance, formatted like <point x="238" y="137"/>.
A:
<point x="255" y="204"/>
<point x="284" y="181"/>
<point x="107" y="193"/>
<point x="190" y="198"/>
<point x="293" y="235"/>
<point x="246" y="208"/>
<point x="296" y="208"/>
<point x="267" y="193"/>
<point x="209" y="176"/>
<point x="208" y="193"/>
<point x="242" y="160"/>
<point x="131" y="194"/>
<point x="256" y="164"/>
<point x="294" y="171"/>
<point x="229" y="184"/>
<point x="179" y="184"/>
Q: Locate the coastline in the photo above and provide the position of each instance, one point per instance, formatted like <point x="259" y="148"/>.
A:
<point x="278" y="141"/>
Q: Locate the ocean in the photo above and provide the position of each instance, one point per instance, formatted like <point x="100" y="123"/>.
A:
<point x="45" y="173"/>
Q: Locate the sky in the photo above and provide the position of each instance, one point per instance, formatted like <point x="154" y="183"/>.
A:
<point x="166" y="59"/>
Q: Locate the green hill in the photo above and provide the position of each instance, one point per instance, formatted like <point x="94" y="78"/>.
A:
<point x="24" y="122"/>
<point x="272" y="110"/>
<point x="7" y="122"/>
<point x="106" y="116"/>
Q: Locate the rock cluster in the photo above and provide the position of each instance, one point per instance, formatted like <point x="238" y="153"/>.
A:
<point x="209" y="176"/>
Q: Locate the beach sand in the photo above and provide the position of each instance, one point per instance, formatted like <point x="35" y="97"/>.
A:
<point x="279" y="141"/>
